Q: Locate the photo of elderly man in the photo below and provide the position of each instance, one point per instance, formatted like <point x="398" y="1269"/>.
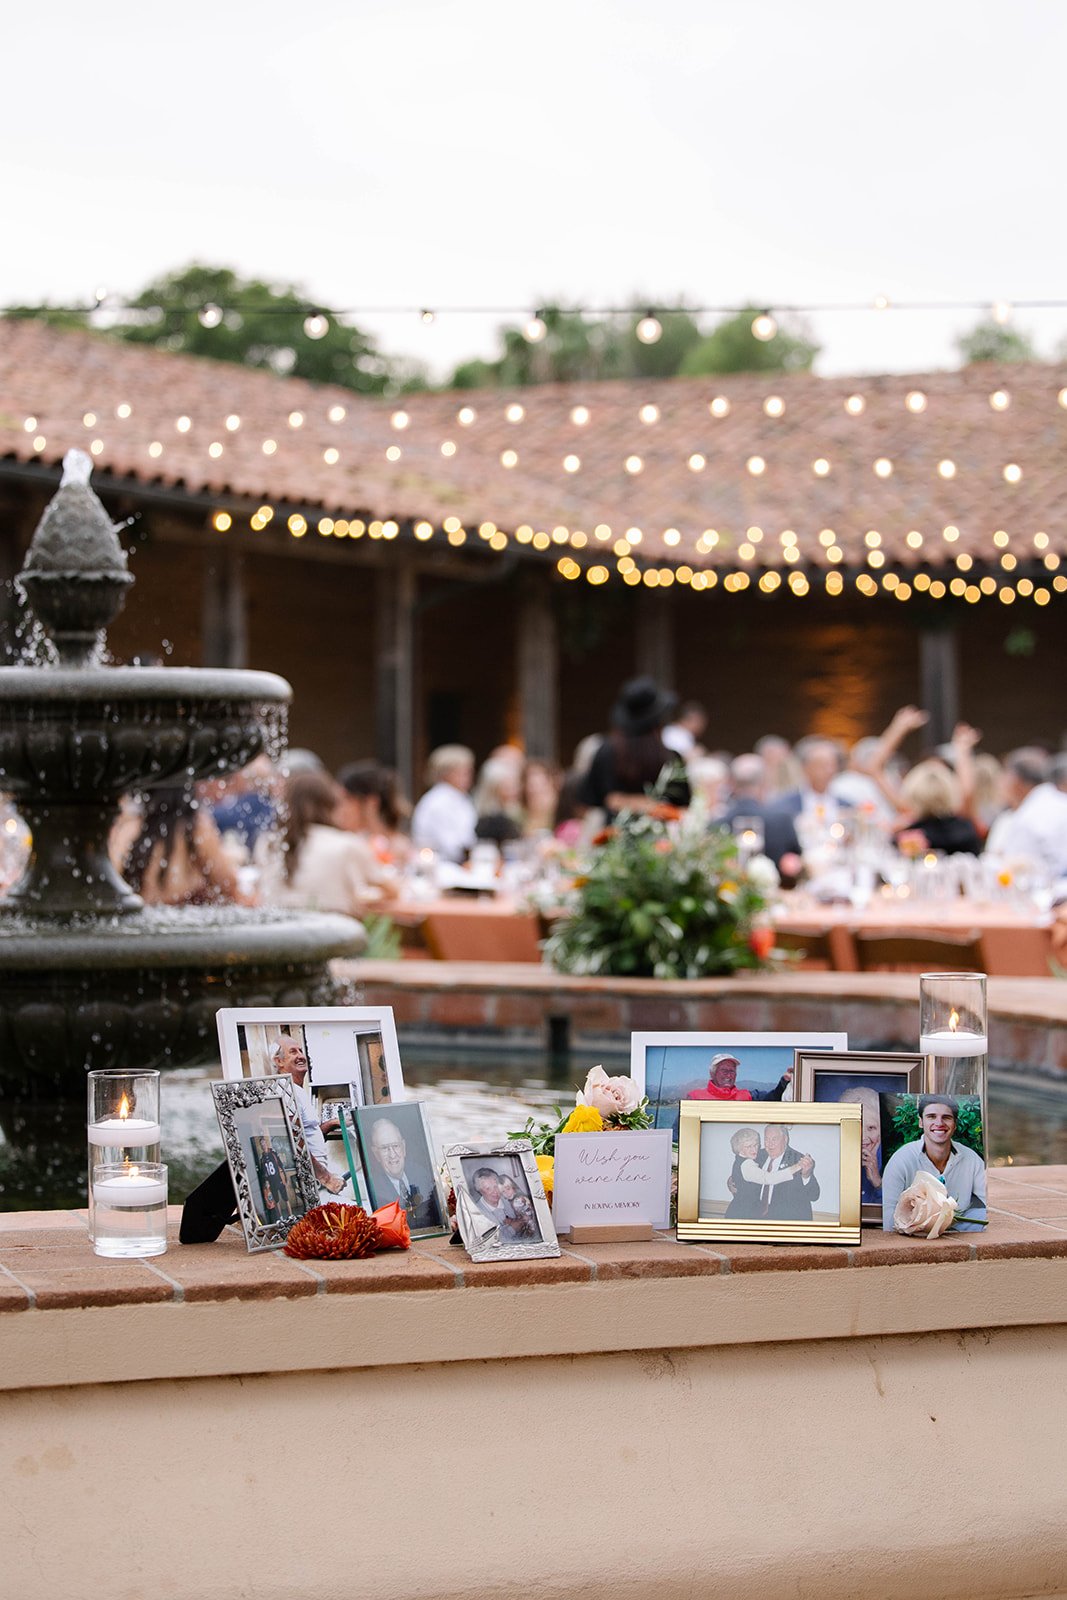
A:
<point x="398" y="1165"/>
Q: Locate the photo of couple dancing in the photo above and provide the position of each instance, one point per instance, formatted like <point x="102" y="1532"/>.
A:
<point x="767" y="1176"/>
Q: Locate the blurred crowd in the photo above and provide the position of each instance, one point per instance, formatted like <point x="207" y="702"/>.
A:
<point x="298" y="835"/>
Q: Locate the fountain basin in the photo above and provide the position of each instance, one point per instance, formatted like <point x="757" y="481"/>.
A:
<point x="144" y="990"/>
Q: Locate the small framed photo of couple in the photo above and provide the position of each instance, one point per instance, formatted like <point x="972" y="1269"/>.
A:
<point x="501" y="1209"/>
<point x="776" y="1174"/>
<point x="861" y="1077"/>
<point x="718" y="1067"/>
<point x="268" y="1157"/>
<point x="334" y="1055"/>
<point x="390" y="1152"/>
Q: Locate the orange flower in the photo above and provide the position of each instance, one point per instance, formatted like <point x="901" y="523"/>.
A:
<point x="394" y="1232"/>
<point x="761" y="942"/>
<point x="664" y="847"/>
<point x="332" y="1232"/>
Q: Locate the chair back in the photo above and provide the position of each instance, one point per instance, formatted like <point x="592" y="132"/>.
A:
<point x="918" y="952"/>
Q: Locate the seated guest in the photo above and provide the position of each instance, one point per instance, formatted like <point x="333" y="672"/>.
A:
<point x="178" y="857"/>
<point x="498" y="800"/>
<point x="371" y="806"/>
<point x="540" y="794"/>
<point x="1032" y="831"/>
<point x="708" y="779"/>
<point x="445" y="818"/>
<point x="931" y="795"/>
<point x="246" y="809"/>
<point x="633" y="761"/>
<point x="326" y="868"/>
<point x="747" y="777"/>
<point x="684" y="734"/>
<point x="820" y="763"/>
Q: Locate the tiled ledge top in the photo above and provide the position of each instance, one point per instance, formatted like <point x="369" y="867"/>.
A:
<point x="1040" y="999"/>
<point x="47" y="1263"/>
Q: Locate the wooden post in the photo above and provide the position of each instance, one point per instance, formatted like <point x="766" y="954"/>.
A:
<point x="394" y="677"/>
<point x="655" y="638"/>
<point x="224" y="623"/>
<point x="939" y="679"/>
<point x="538" y="670"/>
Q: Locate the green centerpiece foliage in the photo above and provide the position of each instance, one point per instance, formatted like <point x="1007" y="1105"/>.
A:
<point x="665" y="899"/>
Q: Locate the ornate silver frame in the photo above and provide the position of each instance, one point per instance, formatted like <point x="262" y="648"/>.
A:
<point x="233" y="1096"/>
<point x="487" y="1246"/>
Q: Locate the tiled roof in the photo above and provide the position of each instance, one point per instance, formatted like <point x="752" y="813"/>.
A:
<point x="917" y="454"/>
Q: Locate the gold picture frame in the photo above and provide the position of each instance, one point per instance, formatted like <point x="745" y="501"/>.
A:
<point x="703" y="1137"/>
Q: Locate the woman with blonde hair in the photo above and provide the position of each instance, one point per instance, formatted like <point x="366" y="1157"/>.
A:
<point x="930" y="795"/>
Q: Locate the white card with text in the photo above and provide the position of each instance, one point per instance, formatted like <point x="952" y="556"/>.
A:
<point x="607" y="1179"/>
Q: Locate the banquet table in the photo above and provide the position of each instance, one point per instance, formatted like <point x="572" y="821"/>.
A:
<point x="1015" y="942"/>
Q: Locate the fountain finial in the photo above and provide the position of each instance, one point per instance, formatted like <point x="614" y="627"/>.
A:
<point x="75" y="574"/>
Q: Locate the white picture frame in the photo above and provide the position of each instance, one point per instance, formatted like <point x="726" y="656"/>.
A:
<point x="332" y="1037"/>
<point x="620" y="1177"/>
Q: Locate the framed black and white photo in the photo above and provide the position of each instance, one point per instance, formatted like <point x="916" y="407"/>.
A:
<point x="501" y="1209"/>
<point x="861" y="1076"/>
<point x="269" y="1161"/>
<point x="334" y="1054"/>
<point x="772" y="1173"/>
<point x="397" y="1161"/>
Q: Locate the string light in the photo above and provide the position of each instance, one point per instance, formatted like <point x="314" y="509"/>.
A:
<point x="123" y="411"/>
<point x="633" y="465"/>
<point x="514" y="412"/>
<point x="855" y="404"/>
<point x="720" y="406"/>
<point x="756" y="466"/>
<point x="509" y="458"/>
<point x="649" y="413"/>
<point x="269" y="447"/>
<point x="697" y="462"/>
<point x="209" y="316"/>
<point x="183" y="424"/>
<point x="1013" y="473"/>
<point x="296" y="419"/>
<point x="317" y="325"/>
<point x="214" y="449"/>
<point x="393" y="453"/>
<point x="915" y="401"/>
<point x="30" y="425"/>
<point x="883" y="467"/>
<point x="40" y="441"/>
<point x="448" y="447"/>
<point x="1000" y="400"/>
<point x="535" y="330"/>
<point x="764" y="327"/>
<point x="331" y="456"/>
<point x="400" y="420"/>
<point x="572" y="463"/>
<point x="649" y="330"/>
<point x="337" y="413"/>
<point x="580" y="416"/>
<point x="233" y="422"/>
<point x="774" y="406"/>
<point x="465" y="416"/>
<point x="946" y="469"/>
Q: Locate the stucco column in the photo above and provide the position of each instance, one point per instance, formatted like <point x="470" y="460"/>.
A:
<point x="394" y="676"/>
<point x="538" y="669"/>
<point x="939" y="680"/>
<point x="224" y="620"/>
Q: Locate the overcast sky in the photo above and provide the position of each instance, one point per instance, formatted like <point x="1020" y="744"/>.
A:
<point x="487" y="153"/>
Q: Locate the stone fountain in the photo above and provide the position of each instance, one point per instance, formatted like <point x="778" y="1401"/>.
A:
<point x="89" y="977"/>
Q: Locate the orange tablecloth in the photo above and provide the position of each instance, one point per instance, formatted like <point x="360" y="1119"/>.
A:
<point x="1015" y="943"/>
<point x="465" y="928"/>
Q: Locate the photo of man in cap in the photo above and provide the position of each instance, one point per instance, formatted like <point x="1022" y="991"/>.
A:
<point x="722" y="1083"/>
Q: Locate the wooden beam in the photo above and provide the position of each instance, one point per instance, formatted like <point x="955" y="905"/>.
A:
<point x="538" y="670"/>
<point x="939" y="679"/>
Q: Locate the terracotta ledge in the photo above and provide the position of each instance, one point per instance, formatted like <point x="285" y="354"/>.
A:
<point x="213" y="1309"/>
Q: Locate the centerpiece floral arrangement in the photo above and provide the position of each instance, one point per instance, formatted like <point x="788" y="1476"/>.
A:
<point x="664" y="897"/>
<point x="604" y="1103"/>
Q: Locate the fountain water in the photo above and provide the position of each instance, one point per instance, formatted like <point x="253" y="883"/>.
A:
<point x="89" y="977"/>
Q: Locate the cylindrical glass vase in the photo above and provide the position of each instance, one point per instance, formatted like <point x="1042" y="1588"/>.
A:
<point x="123" y="1119"/>
<point x="954" y="1031"/>
<point x="128" y="1208"/>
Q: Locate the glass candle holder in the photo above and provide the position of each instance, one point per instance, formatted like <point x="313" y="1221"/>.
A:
<point x="128" y="1208"/>
<point x="953" y="1030"/>
<point x="123" y="1118"/>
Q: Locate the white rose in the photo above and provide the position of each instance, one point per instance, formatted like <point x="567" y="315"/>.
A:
<point x="612" y="1097"/>
<point x="925" y="1207"/>
<point x="762" y="872"/>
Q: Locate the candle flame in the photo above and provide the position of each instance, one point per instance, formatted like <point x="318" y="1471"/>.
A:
<point x="953" y="1021"/>
<point x="124" y="1108"/>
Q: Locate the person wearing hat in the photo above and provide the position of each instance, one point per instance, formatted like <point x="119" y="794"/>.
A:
<point x="722" y="1083"/>
<point x="631" y="760"/>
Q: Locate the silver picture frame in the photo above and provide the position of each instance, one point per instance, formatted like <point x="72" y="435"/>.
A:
<point x="250" y="1111"/>
<point x="484" y="1238"/>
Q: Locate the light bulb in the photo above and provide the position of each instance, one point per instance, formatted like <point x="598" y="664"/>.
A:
<point x="881" y="302"/>
<point x="233" y="422"/>
<point x="821" y="467"/>
<point x="571" y="463"/>
<point x="400" y="419"/>
<point x="509" y="458"/>
<point x="337" y="413"/>
<point x="633" y="464"/>
<point x="946" y="469"/>
<point x="1000" y="311"/>
<point x="209" y="316"/>
<point x="649" y="330"/>
<point x="448" y="447"/>
<point x="649" y="413"/>
<point x="756" y="465"/>
<point x="580" y="416"/>
<point x="764" y="327"/>
<point x="774" y="405"/>
<point x="1000" y="400"/>
<point x="331" y="456"/>
<point x="317" y="325"/>
<point x="535" y="330"/>
<point x="514" y="412"/>
<point x="183" y="424"/>
<point x="915" y="401"/>
<point x="427" y="316"/>
<point x="883" y="467"/>
<point x="465" y="416"/>
<point x="296" y="419"/>
<point x="1013" y="473"/>
<point x="697" y="462"/>
<point x="720" y="406"/>
<point x="855" y="404"/>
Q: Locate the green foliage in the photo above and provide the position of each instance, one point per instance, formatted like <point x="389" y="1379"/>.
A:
<point x="733" y="347"/>
<point x="267" y="331"/>
<point x="660" y="900"/>
<point x="579" y="348"/>
<point x="542" y="1135"/>
<point x="992" y="341"/>
<point x="383" y="938"/>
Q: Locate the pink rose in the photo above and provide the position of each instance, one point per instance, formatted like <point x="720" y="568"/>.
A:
<point x="925" y="1207"/>
<point x="612" y="1097"/>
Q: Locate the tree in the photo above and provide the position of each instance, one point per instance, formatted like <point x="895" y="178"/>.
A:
<point x="733" y="347"/>
<point x="210" y="311"/>
<point x="992" y="341"/>
<point x="576" y="347"/>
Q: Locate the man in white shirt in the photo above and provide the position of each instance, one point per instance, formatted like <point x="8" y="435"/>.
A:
<point x="288" y="1056"/>
<point x="1033" y="831"/>
<point x="445" y="818"/>
<point x="684" y="732"/>
<point x="791" y="1200"/>
<point x="815" y="800"/>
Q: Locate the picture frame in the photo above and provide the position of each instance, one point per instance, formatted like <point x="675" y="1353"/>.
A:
<point x="350" y="1140"/>
<point x="489" y="1238"/>
<point x="815" y="1198"/>
<point x="354" y="1047"/>
<point x="270" y="1164"/>
<point x="336" y="1055"/>
<point x="396" y="1155"/>
<point x="905" y="1133"/>
<point x="672" y="1067"/>
<point x="862" y="1075"/>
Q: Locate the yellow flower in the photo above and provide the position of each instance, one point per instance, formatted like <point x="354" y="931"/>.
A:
<point x="584" y="1119"/>
<point x="728" y="887"/>
<point x="546" y="1166"/>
